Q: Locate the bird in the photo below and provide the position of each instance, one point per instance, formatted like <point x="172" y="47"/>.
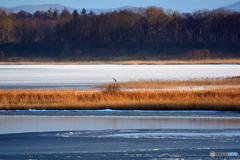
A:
<point x="115" y="79"/>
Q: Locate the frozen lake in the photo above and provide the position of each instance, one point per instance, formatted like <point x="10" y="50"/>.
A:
<point x="85" y="76"/>
<point x="113" y="134"/>
<point x="109" y="134"/>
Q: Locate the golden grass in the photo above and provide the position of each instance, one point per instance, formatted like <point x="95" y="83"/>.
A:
<point x="133" y="62"/>
<point x="113" y="98"/>
<point x="169" y="62"/>
<point x="163" y="84"/>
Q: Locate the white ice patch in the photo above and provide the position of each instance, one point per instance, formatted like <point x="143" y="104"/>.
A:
<point x="85" y="76"/>
<point x="167" y="134"/>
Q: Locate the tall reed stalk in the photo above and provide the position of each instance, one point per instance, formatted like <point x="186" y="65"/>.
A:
<point x="114" y="98"/>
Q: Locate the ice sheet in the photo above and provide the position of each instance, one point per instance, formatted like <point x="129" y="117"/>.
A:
<point x="85" y="76"/>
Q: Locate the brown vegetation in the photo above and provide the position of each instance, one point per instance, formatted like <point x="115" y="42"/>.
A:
<point x="114" y="98"/>
<point x="163" y="84"/>
<point x="45" y="61"/>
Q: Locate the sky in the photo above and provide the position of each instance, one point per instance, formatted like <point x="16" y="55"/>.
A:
<point x="180" y="5"/>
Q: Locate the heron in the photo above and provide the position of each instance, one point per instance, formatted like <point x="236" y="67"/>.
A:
<point x="115" y="79"/>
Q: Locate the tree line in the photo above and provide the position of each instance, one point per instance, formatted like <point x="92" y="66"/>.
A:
<point x="136" y="33"/>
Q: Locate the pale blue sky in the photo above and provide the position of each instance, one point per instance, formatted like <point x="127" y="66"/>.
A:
<point x="180" y="5"/>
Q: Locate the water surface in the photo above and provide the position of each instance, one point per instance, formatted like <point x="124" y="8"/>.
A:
<point x="101" y="134"/>
<point x="100" y="120"/>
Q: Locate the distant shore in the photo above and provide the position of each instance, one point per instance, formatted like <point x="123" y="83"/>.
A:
<point x="128" y="62"/>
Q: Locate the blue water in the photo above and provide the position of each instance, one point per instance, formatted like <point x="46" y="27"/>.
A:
<point x="114" y="134"/>
<point x="122" y="111"/>
<point x="48" y="121"/>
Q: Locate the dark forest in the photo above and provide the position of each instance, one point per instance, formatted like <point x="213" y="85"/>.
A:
<point x="136" y="34"/>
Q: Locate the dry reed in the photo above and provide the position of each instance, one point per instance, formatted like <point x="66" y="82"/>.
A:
<point x="113" y="98"/>
<point x="163" y="84"/>
<point x="169" y="62"/>
<point x="134" y="62"/>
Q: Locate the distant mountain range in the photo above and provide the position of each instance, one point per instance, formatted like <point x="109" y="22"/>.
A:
<point x="233" y="7"/>
<point x="33" y="8"/>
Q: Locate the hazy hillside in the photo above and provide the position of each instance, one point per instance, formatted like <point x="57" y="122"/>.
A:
<point x="233" y="7"/>
<point x="34" y="8"/>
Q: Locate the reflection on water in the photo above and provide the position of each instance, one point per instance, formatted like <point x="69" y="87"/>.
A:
<point x="26" y="123"/>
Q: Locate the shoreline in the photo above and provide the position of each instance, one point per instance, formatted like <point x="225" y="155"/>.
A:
<point x="129" y="62"/>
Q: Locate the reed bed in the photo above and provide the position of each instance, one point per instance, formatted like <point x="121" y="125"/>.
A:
<point x="114" y="98"/>
<point x="183" y="62"/>
<point x="127" y="62"/>
<point x="163" y="84"/>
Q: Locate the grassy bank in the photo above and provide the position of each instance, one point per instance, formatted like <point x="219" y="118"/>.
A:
<point x="163" y="84"/>
<point x="127" y="62"/>
<point x="112" y="98"/>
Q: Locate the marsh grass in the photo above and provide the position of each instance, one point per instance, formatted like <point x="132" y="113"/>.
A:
<point x="114" y="98"/>
<point x="163" y="84"/>
<point x="127" y="62"/>
<point x="183" y="62"/>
